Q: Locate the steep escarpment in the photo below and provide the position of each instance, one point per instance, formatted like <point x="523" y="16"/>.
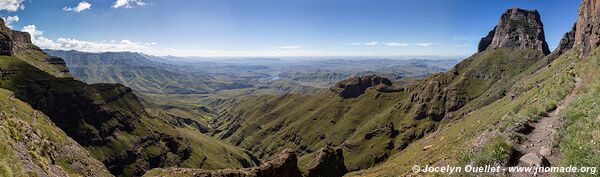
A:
<point x="372" y="119"/>
<point x="108" y="119"/>
<point x="517" y="29"/>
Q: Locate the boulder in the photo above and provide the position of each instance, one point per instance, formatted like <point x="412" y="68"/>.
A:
<point x="545" y="151"/>
<point x="534" y="160"/>
<point x="329" y="162"/>
<point x="517" y="29"/>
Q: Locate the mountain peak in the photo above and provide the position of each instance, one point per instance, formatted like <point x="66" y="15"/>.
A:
<point x="517" y="29"/>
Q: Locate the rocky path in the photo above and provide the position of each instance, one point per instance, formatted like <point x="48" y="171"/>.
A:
<point x="540" y="147"/>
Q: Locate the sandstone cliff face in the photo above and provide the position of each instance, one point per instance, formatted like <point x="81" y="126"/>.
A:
<point x="517" y="29"/>
<point x="328" y="163"/>
<point x="356" y="86"/>
<point x="587" y="31"/>
<point x="284" y="164"/>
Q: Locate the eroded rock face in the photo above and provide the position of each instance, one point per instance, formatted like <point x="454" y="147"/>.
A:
<point x="329" y="162"/>
<point x="356" y="86"/>
<point x="517" y="29"/>
<point x="587" y="31"/>
<point x="284" y="164"/>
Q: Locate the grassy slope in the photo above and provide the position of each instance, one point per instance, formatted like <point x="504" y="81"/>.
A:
<point x="480" y="136"/>
<point x="33" y="146"/>
<point x="266" y="124"/>
<point x="150" y="141"/>
<point x="580" y="135"/>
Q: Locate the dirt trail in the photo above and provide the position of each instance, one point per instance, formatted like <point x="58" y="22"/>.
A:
<point x="541" y="136"/>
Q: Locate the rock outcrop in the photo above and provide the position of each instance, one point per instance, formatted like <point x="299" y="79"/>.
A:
<point x="567" y="42"/>
<point x="517" y="29"/>
<point x="328" y="163"/>
<point x="587" y="31"/>
<point x="356" y="86"/>
<point x="13" y="41"/>
<point x="284" y="164"/>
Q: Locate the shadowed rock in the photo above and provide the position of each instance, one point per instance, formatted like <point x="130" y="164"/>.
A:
<point x="328" y="163"/>
<point x="517" y="29"/>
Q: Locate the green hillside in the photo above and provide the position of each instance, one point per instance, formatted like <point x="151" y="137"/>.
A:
<point x="33" y="146"/>
<point x="478" y="136"/>
<point x="377" y="124"/>
<point x="112" y="124"/>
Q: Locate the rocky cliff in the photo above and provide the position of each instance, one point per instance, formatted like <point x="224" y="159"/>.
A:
<point x="517" y="29"/>
<point x="13" y="41"/>
<point x="587" y="31"/>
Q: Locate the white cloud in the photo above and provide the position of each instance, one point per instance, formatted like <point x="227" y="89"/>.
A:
<point x="32" y="30"/>
<point x="79" y="8"/>
<point x="374" y="43"/>
<point x="395" y="44"/>
<point x="289" y="47"/>
<point x="81" y="45"/>
<point x="425" y="44"/>
<point x="128" y="3"/>
<point x="8" y="21"/>
<point x="462" y="45"/>
<point x="12" y="5"/>
<point x="371" y="43"/>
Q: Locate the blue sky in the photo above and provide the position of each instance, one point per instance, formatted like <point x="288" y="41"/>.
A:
<point x="275" y="27"/>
